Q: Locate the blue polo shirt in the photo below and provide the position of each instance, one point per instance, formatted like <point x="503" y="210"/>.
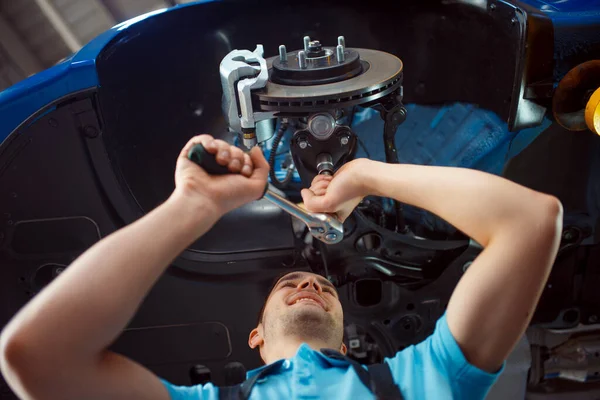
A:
<point x="432" y="370"/>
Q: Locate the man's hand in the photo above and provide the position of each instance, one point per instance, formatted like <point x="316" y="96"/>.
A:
<point x="519" y="229"/>
<point x="57" y="327"/>
<point x="338" y="194"/>
<point x="224" y="192"/>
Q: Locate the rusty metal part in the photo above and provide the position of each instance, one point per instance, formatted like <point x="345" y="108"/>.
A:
<point x="573" y="93"/>
<point x="592" y="112"/>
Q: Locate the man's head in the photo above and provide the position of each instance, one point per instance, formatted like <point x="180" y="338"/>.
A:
<point x="302" y="307"/>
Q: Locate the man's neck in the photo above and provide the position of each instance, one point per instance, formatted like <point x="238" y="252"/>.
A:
<point x="287" y="348"/>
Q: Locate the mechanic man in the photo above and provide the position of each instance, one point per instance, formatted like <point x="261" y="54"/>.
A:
<point x="56" y="346"/>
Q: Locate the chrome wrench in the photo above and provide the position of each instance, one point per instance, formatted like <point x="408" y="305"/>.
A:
<point x="324" y="227"/>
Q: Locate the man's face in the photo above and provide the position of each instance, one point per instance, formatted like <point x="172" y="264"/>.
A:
<point x="303" y="306"/>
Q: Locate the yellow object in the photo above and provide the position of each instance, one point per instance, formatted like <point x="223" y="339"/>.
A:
<point x="592" y="112"/>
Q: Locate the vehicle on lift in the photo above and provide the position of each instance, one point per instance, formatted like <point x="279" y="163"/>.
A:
<point x="89" y="146"/>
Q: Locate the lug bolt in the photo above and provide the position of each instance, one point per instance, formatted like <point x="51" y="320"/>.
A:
<point x="282" y="54"/>
<point x="306" y="42"/>
<point x="302" y="59"/>
<point x="341" y="57"/>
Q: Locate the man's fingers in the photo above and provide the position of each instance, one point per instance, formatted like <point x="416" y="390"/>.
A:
<point x="248" y="166"/>
<point x="205" y="140"/>
<point x="321" y="178"/>
<point x="261" y="166"/>
<point x="237" y="159"/>
<point x="321" y="185"/>
<point x="223" y="152"/>
<point x="313" y="202"/>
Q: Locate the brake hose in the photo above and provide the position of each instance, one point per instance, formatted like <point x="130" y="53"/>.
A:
<point x="290" y="171"/>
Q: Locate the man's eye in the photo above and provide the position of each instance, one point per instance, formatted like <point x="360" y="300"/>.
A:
<point x="288" y="284"/>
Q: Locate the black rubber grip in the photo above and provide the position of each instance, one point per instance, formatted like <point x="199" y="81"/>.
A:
<point x="207" y="161"/>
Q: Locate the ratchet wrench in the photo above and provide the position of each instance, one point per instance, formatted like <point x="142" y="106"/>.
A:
<point x="323" y="227"/>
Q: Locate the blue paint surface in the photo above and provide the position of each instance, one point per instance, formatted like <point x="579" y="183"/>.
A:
<point x="77" y="72"/>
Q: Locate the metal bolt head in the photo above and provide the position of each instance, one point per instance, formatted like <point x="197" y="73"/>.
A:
<point x="593" y="319"/>
<point x="344" y="140"/>
<point x="303" y="144"/>
<point x="331" y="237"/>
<point x="321" y="230"/>
<point x="568" y="235"/>
<point x="90" y="131"/>
<point x="466" y="266"/>
<point x="58" y="271"/>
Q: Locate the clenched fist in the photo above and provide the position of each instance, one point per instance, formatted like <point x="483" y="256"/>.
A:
<point x="338" y="194"/>
<point x="222" y="192"/>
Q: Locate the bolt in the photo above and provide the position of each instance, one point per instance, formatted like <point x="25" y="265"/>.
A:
<point x="302" y="59"/>
<point x="90" y="131"/>
<point x="321" y="230"/>
<point x="314" y="43"/>
<point x="568" y="235"/>
<point x="303" y="144"/>
<point x="593" y="319"/>
<point x="344" y="140"/>
<point x="58" y="271"/>
<point x="53" y="123"/>
<point x="466" y="266"/>
<point x="341" y="57"/>
<point x="513" y="21"/>
<point x="282" y="54"/>
<point x="331" y="237"/>
<point x="492" y="7"/>
<point x="306" y="42"/>
<point x="341" y="41"/>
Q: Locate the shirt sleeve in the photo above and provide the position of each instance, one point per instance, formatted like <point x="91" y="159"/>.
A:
<point x="439" y="360"/>
<point x="197" y="392"/>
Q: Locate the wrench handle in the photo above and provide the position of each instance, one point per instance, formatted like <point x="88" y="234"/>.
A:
<point x="206" y="160"/>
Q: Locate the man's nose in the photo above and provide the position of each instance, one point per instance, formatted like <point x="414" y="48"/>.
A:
<point x="310" y="283"/>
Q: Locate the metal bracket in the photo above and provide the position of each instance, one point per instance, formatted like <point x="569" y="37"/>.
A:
<point x="239" y="77"/>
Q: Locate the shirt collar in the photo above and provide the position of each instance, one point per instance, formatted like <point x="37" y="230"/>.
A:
<point x="333" y="358"/>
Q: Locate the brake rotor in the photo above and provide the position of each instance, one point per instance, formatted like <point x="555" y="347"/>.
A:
<point x="326" y="83"/>
<point x="573" y="94"/>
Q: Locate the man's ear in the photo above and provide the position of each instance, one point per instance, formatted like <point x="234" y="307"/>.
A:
<point x="255" y="339"/>
<point x="343" y="349"/>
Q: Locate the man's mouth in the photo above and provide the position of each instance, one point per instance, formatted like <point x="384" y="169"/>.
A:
<point x="307" y="298"/>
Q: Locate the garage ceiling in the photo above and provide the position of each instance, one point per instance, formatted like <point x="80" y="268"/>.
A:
<point x="36" y="34"/>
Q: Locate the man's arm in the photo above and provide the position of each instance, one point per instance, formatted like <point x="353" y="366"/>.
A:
<point x="519" y="229"/>
<point x="55" y="347"/>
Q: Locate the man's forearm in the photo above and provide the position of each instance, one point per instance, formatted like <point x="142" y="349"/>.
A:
<point x="80" y="313"/>
<point x="479" y="204"/>
<point x="520" y="229"/>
